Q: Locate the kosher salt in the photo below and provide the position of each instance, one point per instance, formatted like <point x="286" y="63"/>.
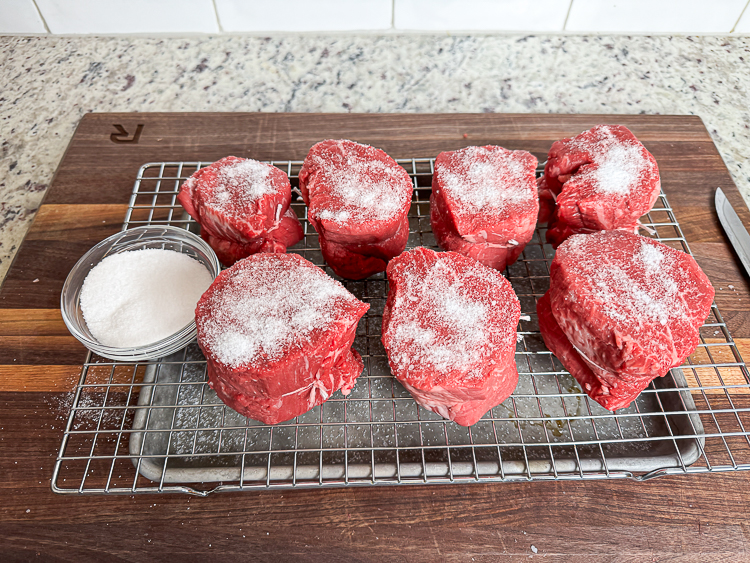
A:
<point x="142" y="296"/>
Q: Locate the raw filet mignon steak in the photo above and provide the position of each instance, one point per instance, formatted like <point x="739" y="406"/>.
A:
<point x="601" y="180"/>
<point x="242" y="206"/>
<point x="358" y="199"/>
<point x="484" y="203"/>
<point x="449" y="329"/>
<point x="622" y="310"/>
<point x="277" y="334"/>
<point x="358" y="261"/>
<point x="287" y="232"/>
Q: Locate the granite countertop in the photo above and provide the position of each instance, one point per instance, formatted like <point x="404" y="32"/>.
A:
<point x="48" y="83"/>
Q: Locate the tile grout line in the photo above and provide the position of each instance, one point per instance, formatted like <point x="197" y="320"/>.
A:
<point x="742" y="13"/>
<point x="44" y="21"/>
<point x="218" y="20"/>
<point x="570" y="7"/>
<point x="393" y="14"/>
<point x="385" y="32"/>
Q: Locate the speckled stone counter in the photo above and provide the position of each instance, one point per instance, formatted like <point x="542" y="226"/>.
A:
<point x="48" y="83"/>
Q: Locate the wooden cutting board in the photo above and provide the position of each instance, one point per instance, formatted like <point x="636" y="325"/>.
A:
<point x="40" y="363"/>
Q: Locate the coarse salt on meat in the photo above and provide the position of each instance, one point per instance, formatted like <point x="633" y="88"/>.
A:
<point x="487" y="179"/>
<point x="361" y="187"/>
<point x="241" y="184"/>
<point x="619" y="168"/>
<point x="484" y="203"/>
<point x="632" y="289"/>
<point x="358" y="199"/>
<point x="459" y="346"/>
<point x="277" y="334"/>
<point x="264" y="310"/>
<point x="449" y="329"/>
<point x="621" y="310"/>
<point x="602" y="179"/>
<point x="242" y="206"/>
<point x="379" y="201"/>
<point x="658" y="301"/>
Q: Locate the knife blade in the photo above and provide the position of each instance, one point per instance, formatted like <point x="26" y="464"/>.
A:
<point x="734" y="228"/>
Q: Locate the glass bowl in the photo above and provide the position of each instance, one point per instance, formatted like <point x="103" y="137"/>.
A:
<point x="164" y="237"/>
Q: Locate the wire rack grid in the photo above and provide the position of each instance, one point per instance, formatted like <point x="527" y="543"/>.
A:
<point x="158" y="427"/>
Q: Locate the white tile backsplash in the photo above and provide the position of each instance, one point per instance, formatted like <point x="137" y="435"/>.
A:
<point x="644" y="16"/>
<point x="743" y="26"/>
<point x="107" y="17"/>
<point x="501" y="15"/>
<point x="129" y="16"/>
<point x="20" y="16"/>
<point x="304" y="15"/>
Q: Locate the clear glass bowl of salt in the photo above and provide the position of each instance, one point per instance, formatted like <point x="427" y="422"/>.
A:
<point x="124" y="287"/>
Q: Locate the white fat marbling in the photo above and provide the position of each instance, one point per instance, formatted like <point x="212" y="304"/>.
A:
<point x="48" y="83"/>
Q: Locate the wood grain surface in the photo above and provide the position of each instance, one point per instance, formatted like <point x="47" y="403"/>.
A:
<point x="685" y="518"/>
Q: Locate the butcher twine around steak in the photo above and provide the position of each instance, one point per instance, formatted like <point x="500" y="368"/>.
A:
<point x="277" y="333"/>
<point x="242" y="206"/>
<point x="484" y="203"/>
<point x="358" y="199"/>
<point x="449" y="329"/>
<point x="622" y="310"/>
<point x="603" y="179"/>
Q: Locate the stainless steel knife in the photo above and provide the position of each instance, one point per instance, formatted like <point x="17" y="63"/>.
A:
<point x="734" y="228"/>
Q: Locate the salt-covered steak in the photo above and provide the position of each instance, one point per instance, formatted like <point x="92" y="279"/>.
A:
<point x="358" y="261"/>
<point x="484" y="203"/>
<point x="356" y="196"/>
<point x="622" y="310"/>
<point x="287" y="232"/>
<point x="277" y="334"/>
<point x="449" y="329"/>
<point x="601" y="180"/>
<point x="242" y="206"/>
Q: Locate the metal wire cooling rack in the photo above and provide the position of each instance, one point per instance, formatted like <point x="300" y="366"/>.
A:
<point x="157" y="427"/>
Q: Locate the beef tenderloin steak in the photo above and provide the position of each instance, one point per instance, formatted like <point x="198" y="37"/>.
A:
<point x="356" y="195"/>
<point x="359" y="261"/>
<point x="242" y="206"/>
<point x="484" y="203"/>
<point x="603" y="179"/>
<point x="277" y="334"/>
<point x="622" y="310"/>
<point x="449" y="330"/>
<point x="287" y="232"/>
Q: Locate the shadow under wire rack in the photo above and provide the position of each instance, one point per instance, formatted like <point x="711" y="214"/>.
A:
<point x="158" y="427"/>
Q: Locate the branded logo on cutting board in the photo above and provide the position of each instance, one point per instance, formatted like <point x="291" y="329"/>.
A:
<point x="123" y="136"/>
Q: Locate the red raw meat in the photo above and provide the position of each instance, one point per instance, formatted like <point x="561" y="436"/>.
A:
<point x="449" y="329"/>
<point x="484" y="203"/>
<point x="359" y="261"/>
<point x="277" y="334"/>
<point x="242" y="206"/>
<point x="287" y="232"/>
<point x="492" y="255"/>
<point x="603" y="179"/>
<point x="358" y="199"/>
<point x="273" y="409"/>
<point x="622" y="310"/>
